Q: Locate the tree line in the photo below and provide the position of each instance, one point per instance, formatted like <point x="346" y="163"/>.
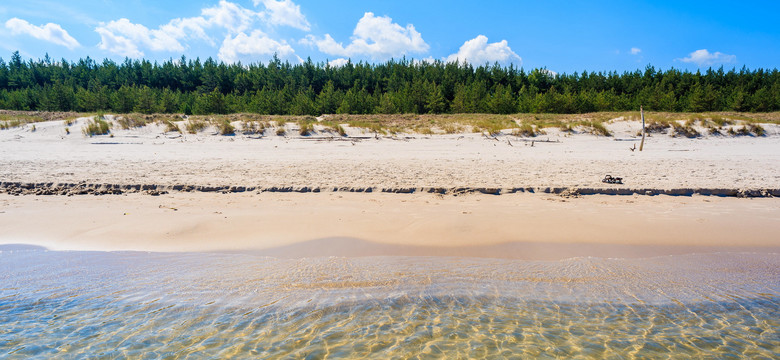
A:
<point x="396" y="86"/>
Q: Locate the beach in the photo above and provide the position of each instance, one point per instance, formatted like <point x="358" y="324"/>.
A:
<point x="147" y="242"/>
<point x="449" y="194"/>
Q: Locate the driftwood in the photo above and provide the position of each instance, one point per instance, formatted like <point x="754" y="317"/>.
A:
<point x="642" y="144"/>
<point x="538" y="141"/>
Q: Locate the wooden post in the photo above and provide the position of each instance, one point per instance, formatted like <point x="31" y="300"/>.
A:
<point x="642" y="143"/>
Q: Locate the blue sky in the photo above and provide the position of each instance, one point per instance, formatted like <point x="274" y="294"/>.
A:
<point x="563" y="36"/>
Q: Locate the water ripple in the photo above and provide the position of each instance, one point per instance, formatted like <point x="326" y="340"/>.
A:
<point x="150" y="305"/>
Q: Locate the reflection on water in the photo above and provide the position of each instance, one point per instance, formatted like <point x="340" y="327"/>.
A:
<point x="71" y="304"/>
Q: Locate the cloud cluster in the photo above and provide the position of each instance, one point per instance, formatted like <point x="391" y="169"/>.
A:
<point x="50" y="32"/>
<point x="283" y="13"/>
<point x="242" y="35"/>
<point x="243" y="47"/>
<point x="125" y="38"/>
<point x="704" y="57"/>
<point x="338" y="62"/>
<point x="236" y="22"/>
<point x="230" y="16"/>
<point x="477" y="51"/>
<point x="377" y="37"/>
<point x="635" y="51"/>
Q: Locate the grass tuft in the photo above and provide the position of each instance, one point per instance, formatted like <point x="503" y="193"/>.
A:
<point x="305" y="128"/>
<point x="252" y="127"/>
<point x="657" y="126"/>
<point x="598" y="128"/>
<point x="171" y="126"/>
<point x="96" y="126"/>
<point x="195" y="125"/>
<point x="756" y="129"/>
<point x="226" y="128"/>
<point x="130" y="121"/>
<point x="528" y="130"/>
<point x="684" y="130"/>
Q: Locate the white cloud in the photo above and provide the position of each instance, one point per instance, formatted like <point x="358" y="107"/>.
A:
<point x="427" y="60"/>
<point x="128" y="39"/>
<point x="226" y="20"/>
<point x="635" y="51"/>
<point x="230" y="16"/>
<point x="118" y="44"/>
<point x="248" y="47"/>
<point x="50" y="32"/>
<point x="192" y="28"/>
<point x="124" y="38"/>
<point x="338" y="62"/>
<point x="377" y="37"/>
<point x="283" y="12"/>
<point x="704" y="57"/>
<point x="477" y="51"/>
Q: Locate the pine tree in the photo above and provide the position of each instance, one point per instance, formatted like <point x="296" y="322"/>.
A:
<point x="436" y="103"/>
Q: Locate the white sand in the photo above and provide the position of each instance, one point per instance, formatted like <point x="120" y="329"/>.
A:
<point x="535" y="226"/>
<point x="148" y="156"/>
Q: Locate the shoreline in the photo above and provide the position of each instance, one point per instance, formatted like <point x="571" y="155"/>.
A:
<point x="84" y="188"/>
<point x="517" y="226"/>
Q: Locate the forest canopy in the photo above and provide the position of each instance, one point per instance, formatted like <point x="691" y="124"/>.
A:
<point x="396" y="86"/>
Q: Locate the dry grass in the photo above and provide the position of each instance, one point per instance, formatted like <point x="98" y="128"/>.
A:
<point x="225" y="127"/>
<point x="657" y="126"/>
<point x="305" y="127"/>
<point x="129" y="121"/>
<point x="195" y="125"/>
<point x="8" y="121"/>
<point x="747" y="130"/>
<point x="171" y="126"/>
<point x="687" y="130"/>
<point x="28" y="117"/>
<point x="492" y="123"/>
<point x="336" y="127"/>
<point x="423" y="123"/>
<point x="96" y="126"/>
<point x="249" y="127"/>
<point x="528" y="130"/>
<point x="598" y="128"/>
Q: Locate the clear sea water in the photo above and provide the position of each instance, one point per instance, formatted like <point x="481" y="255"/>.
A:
<point x="195" y="305"/>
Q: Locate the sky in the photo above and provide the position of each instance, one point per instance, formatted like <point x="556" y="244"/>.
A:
<point x="561" y="36"/>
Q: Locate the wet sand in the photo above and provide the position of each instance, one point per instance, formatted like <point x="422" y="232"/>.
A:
<point x="520" y="226"/>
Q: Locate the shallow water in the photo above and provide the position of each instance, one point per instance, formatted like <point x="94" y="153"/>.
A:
<point x="153" y="305"/>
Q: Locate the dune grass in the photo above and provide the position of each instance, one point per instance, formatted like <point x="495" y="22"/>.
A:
<point x="251" y="127"/>
<point x="171" y="126"/>
<point x="427" y="124"/>
<point x="305" y="127"/>
<point x="195" y="125"/>
<point x="130" y="121"/>
<point x="225" y="127"/>
<point x="96" y="126"/>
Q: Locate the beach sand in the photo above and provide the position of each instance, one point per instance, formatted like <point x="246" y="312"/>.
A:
<point x="521" y="225"/>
